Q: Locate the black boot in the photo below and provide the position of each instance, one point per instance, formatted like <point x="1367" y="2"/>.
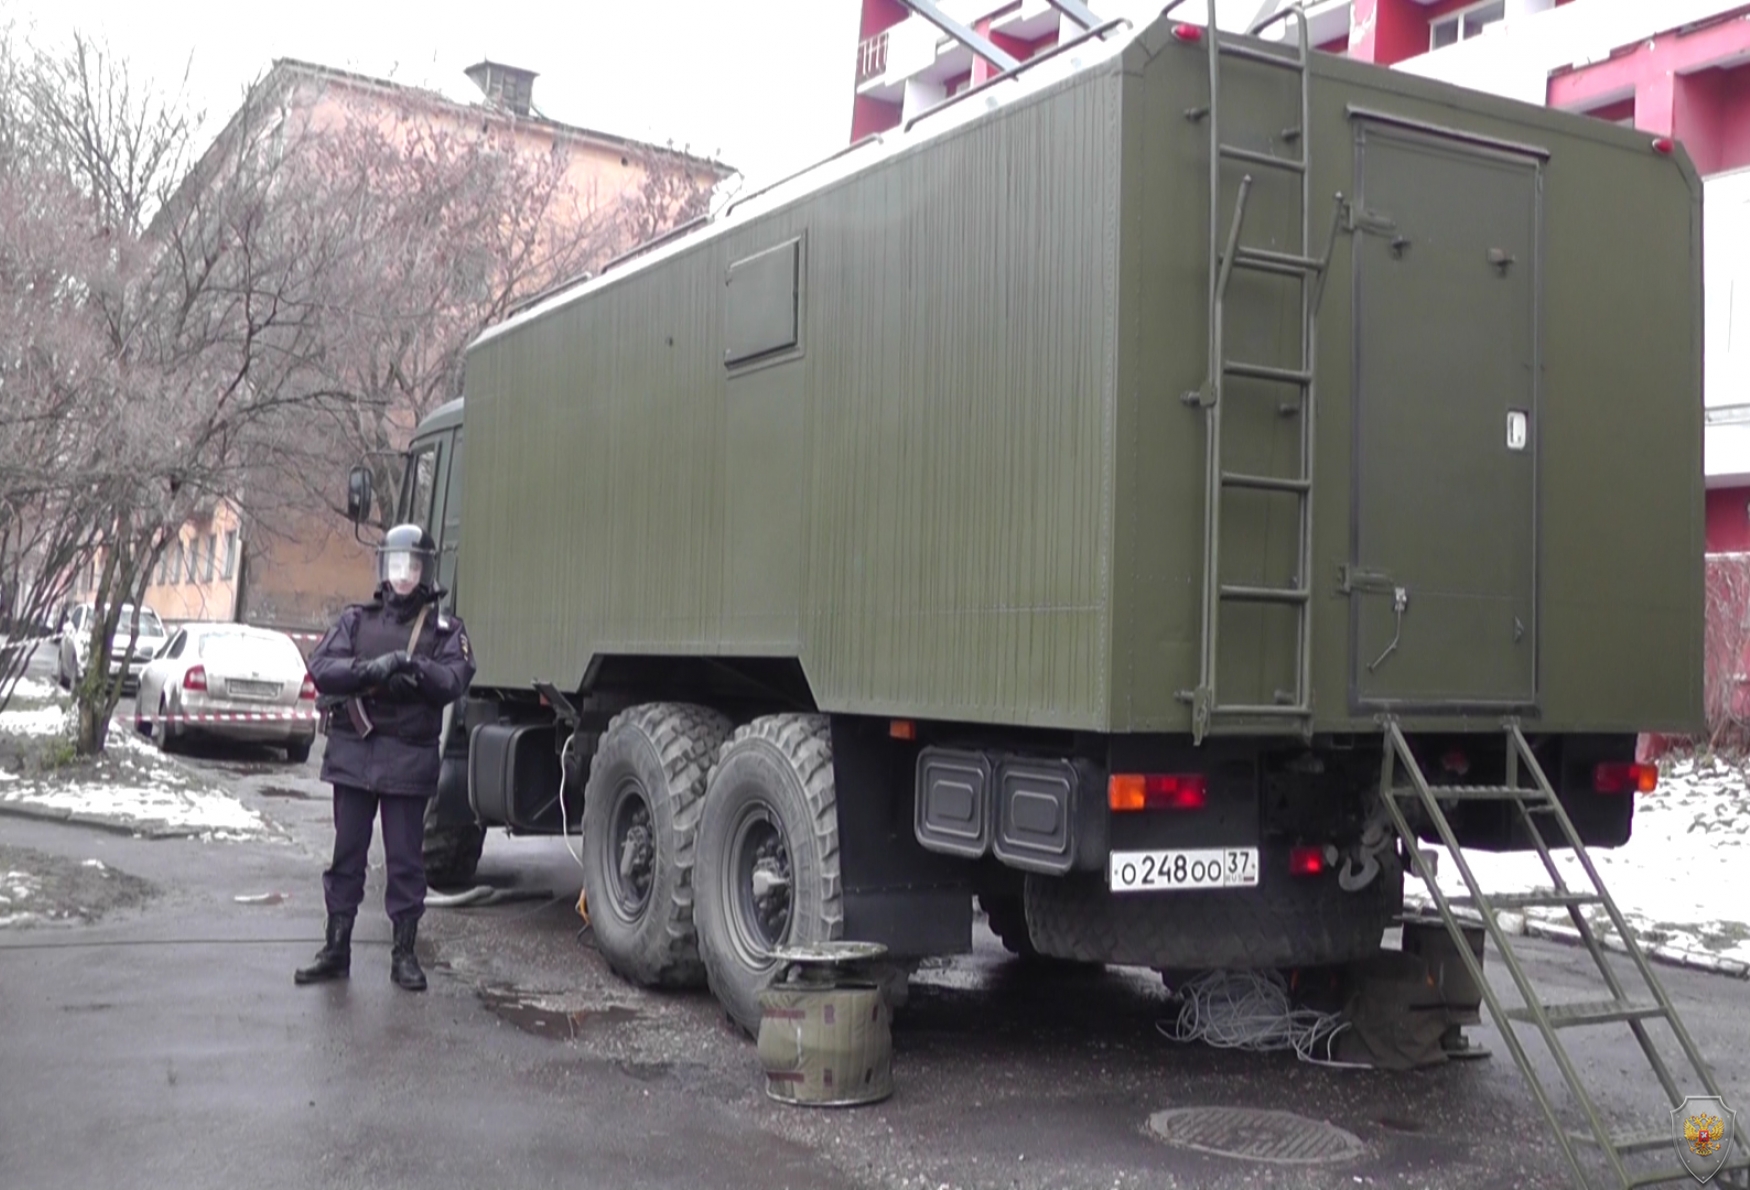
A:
<point x="334" y="960"/>
<point x="403" y="965"/>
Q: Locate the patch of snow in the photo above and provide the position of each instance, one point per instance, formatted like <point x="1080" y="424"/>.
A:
<point x="35" y="690"/>
<point x="94" y="863"/>
<point x="1678" y="881"/>
<point x="161" y="795"/>
<point x="216" y="815"/>
<point x="43" y="721"/>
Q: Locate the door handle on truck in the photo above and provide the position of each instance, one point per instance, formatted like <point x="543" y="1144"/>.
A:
<point x="1400" y="602"/>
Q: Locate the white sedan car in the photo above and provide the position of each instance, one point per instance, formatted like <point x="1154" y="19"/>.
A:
<point x="228" y="681"/>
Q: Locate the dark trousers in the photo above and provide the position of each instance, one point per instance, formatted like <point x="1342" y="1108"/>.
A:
<point x="343" y="884"/>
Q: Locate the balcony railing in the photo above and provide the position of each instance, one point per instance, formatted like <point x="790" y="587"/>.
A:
<point x="872" y="57"/>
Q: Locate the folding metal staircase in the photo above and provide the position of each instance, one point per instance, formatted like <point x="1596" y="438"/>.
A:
<point x="1537" y="810"/>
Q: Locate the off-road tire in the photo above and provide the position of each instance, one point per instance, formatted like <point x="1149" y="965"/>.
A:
<point x="779" y="766"/>
<point x="1007" y="918"/>
<point x="665" y="750"/>
<point x="1286" y="921"/>
<point x="452" y="854"/>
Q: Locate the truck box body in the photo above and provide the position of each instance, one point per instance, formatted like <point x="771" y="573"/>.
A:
<point x="915" y="419"/>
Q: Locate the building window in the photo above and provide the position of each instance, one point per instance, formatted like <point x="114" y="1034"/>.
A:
<point x="230" y="555"/>
<point x="212" y="555"/>
<point x="1462" y="26"/>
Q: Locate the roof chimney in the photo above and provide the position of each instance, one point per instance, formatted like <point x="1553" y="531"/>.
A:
<point x="508" y="87"/>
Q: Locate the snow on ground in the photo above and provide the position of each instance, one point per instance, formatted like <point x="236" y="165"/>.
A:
<point x="1682" y="881"/>
<point x="32" y="690"/>
<point x="16" y="890"/>
<point x="142" y="789"/>
<point x="42" y="721"/>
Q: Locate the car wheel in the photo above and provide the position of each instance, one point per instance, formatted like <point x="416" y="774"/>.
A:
<point x="298" y="751"/>
<point x="162" y="734"/>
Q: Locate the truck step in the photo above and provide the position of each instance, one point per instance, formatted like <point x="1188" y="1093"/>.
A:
<point x="1245" y="594"/>
<point x="1683" y="1175"/>
<point x="1252" y="54"/>
<point x="1265" y="483"/>
<point x="1235" y="153"/>
<point x="1285" y="263"/>
<point x="1533" y="900"/>
<point x="1596" y="1012"/>
<point x="1634" y="1140"/>
<point x="1266" y="372"/>
<point x="1261" y="710"/>
<point x="1477" y="793"/>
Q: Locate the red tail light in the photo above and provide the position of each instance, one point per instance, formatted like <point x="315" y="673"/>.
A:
<point x="1187" y="33"/>
<point x="1665" y="145"/>
<point x="195" y="678"/>
<point x="1622" y="777"/>
<point x="1306" y="861"/>
<point x="308" y="692"/>
<point x="1157" y="791"/>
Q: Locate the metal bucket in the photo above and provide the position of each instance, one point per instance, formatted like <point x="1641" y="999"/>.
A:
<point x="826" y="1037"/>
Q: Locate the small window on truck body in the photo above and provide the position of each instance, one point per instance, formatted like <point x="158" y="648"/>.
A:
<point x="762" y="293"/>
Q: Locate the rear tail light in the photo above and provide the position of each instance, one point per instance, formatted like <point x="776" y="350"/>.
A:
<point x="1306" y="861"/>
<point x="1623" y="777"/>
<point x="1157" y="791"/>
<point x="195" y="678"/>
<point x="1188" y="33"/>
<point x="308" y="692"/>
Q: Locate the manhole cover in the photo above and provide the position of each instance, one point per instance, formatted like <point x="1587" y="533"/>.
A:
<point x="1256" y="1135"/>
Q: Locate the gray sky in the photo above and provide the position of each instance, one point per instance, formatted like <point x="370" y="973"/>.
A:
<point x="765" y="84"/>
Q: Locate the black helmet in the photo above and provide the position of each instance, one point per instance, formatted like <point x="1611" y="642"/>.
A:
<point x="407" y="551"/>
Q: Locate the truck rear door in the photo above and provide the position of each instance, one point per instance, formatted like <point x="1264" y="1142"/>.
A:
<point x="1443" y="569"/>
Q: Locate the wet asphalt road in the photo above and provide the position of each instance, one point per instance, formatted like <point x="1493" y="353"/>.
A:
<point x="166" y="1045"/>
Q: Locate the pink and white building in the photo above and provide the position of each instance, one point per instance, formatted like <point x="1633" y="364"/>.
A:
<point x="1674" y="68"/>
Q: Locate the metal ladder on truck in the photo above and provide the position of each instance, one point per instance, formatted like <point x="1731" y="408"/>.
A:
<point x="1536" y="809"/>
<point x="1227" y="253"/>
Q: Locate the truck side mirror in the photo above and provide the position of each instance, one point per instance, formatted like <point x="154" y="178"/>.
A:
<point x="358" y="495"/>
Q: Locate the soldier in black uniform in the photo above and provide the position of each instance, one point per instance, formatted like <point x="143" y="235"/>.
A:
<point x="386" y="670"/>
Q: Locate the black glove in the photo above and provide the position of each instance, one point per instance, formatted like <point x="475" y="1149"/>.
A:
<point x="404" y="685"/>
<point x="377" y="670"/>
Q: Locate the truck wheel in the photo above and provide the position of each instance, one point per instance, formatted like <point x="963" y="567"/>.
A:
<point x="640" y="814"/>
<point x="768" y="856"/>
<point x="1287" y="921"/>
<point x="1007" y="917"/>
<point x="452" y="854"/>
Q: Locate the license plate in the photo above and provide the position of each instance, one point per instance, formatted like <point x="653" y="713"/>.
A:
<point x="255" y="691"/>
<point x="1172" y="871"/>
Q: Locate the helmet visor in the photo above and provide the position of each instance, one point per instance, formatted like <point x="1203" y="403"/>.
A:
<point x="400" y="566"/>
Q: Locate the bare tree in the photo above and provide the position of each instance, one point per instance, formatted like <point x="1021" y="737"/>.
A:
<point x="451" y="225"/>
<point x="297" y="302"/>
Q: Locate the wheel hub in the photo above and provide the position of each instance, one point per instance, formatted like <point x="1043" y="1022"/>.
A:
<point x="631" y="851"/>
<point x="761" y="895"/>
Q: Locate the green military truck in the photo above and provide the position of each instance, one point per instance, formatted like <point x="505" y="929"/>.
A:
<point x="1055" y="504"/>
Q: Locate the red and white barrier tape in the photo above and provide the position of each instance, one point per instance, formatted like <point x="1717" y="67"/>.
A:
<point x="233" y="717"/>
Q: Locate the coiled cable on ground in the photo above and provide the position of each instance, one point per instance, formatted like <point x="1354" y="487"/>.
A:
<point x="1251" y="1010"/>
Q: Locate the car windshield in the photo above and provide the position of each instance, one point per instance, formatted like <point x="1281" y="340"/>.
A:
<point x="147" y="622"/>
